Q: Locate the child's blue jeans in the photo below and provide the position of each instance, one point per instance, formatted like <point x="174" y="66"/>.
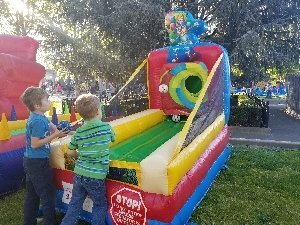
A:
<point x="39" y="189"/>
<point x="83" y="186"/>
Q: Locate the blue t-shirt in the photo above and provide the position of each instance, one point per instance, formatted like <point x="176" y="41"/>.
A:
<point x="37" y="126"/>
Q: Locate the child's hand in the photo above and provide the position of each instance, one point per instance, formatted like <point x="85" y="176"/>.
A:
<point x="71" y="132"/>
<point x="60" y="133"/>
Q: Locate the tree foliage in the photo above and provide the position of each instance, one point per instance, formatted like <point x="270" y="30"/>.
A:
<point x="91" y="39"/>
<point x="258" y="34"/>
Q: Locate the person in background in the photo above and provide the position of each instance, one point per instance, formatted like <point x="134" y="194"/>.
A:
<point x="39" y="133"/>
<point x="269" y="88"/>
<point x="90" y="144"/>
<point x="112" y="89"/>
<point x="58" y="88"/>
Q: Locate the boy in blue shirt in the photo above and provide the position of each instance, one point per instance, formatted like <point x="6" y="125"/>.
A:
<point x="39" y="133"/>
<point x="91" y="144"/>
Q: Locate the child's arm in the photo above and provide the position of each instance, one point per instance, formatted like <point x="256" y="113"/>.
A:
<point x="38" y="142"/>
<point x="52" y="127"/>
<point x="73" y="147"/>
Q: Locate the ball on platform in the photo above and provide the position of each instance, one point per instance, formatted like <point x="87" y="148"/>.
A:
<point x="163" y="88"/>
<point x="64" y="125"/>
<point x="176" y="118"/>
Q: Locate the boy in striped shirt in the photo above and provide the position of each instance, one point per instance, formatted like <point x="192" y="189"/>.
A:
<point x="91" y="144"/>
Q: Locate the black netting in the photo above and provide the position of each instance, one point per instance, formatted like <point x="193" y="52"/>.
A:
<point x="132" y="97"/>
<point x="210" y="108"/>
<point x="293" y="96"/>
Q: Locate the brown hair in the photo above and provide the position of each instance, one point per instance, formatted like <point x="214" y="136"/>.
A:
<point x="87" y="105"/>
<point x="33" y="96"/>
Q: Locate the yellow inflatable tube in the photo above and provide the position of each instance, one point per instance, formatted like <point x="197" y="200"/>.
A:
<point x="135" y="124"/>
<point x="170" y="166"/>
<point x="130" y="126"/>
<point x="188" y="156"/>
<point x="124" y="128"/>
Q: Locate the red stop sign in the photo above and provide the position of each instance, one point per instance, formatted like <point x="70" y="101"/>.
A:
<point x="127" y="208"/>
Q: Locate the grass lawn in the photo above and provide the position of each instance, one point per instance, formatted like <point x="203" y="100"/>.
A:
<point x="261" y="186"/>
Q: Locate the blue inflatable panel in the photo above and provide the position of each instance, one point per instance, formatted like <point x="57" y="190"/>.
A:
<point x="227" y="85"/>
<point x="12" y="173"/>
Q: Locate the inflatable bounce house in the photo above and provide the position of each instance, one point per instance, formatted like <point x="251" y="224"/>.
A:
<point x="171" y="134"/>
<point x="18" y="70"/>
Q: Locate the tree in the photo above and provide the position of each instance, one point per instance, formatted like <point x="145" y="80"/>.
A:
<point x="15" y="18"/>
<point x="258" y="34"/>
<point x="91" y="39"/>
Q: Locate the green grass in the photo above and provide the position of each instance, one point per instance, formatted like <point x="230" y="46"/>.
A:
<point x="11" y="208"/>
<point x="261" y="186"/>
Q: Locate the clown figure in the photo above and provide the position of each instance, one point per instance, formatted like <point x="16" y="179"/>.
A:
<point x="182" y="29"/>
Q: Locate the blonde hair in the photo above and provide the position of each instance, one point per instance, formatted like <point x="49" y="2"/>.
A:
<point x="87" y="105"/>
<point x="33" y="96"/>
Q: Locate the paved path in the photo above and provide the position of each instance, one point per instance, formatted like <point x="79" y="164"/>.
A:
<point x="283" y="131"/>
<point x="283" y="127"/>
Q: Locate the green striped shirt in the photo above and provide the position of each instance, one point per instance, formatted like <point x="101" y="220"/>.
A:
<point x="92" y="141"/>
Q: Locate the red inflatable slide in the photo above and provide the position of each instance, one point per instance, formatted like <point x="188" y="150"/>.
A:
<point x="18" y="70"/>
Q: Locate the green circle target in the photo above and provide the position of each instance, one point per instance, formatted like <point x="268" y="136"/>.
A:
<point x="187" y="82"/>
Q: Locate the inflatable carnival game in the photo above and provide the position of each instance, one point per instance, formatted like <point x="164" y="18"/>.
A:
<point x="170" y="120"/>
